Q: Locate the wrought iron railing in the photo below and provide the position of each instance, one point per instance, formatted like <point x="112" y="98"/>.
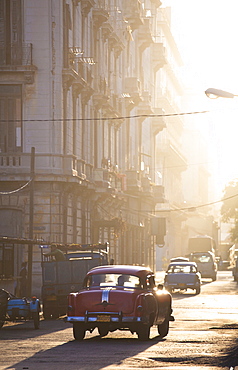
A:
<point x="16" y="55"/>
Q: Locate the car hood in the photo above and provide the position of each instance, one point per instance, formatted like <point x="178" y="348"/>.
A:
<point x="106" y="299"/>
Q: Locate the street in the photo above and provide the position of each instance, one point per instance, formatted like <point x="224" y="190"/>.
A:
<point x="203" y="336"/>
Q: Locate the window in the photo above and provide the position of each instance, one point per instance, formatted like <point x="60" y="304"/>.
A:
<point x="10" y="32"/>
<point x="11" y="226"/>
<point x="6" y="261"/>
<point x="177" y="269"/>
<point x="10" y="118"/>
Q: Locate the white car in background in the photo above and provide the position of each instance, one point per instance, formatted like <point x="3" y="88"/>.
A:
<point x="182" y="276"/>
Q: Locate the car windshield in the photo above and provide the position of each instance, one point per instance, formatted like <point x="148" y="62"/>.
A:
<point x="186" y="269"/>
<point x="113" y="280"/>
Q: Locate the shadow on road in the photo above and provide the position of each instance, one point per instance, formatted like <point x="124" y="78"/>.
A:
<point x="230" y="357"/>
<point x="91" y="353"/>
<point x="11" y="330"/>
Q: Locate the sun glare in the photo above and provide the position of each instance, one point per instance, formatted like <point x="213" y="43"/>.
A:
<point x="206" y="36"/>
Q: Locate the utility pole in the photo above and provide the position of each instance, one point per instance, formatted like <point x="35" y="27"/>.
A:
<point x="31" y="221"/>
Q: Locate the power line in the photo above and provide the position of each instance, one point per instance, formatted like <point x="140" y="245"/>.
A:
<point x="16" y="190"/>
<point x="104" y="118"/>
<point x="192" y="208"/>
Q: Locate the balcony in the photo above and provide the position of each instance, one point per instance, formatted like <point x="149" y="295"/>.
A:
<point x="133" y="13"/>
<point x="117" y="41"/>
<point x="17" y="61"/>
<point x="145" y="106"/>
<point x="101" y="178"/>
<point x="174" y="157"/>
<point x="133" y="181"/>
<point x="157" y="3"/>
<point x="113" y="108"/>
<point x="145" y="34"/>
<point x="16" y="166"/>
<point x="158" y="192"/>
<point x="79" y="73"/>
<point x="100" y="13"/>
<point x="86" y="6"/>
<point x="158" y="123"/>
<point x="133" y="90"/>
<point x="147" y="186"/>
<point x="158" y="56"/>
<point x="102" y="93"/>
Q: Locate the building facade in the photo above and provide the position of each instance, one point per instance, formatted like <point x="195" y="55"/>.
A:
<point x="74" y="77"/>
<point x="84" y="85"/>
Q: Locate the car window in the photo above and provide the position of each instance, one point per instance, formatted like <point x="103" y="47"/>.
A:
<point x="186" y="269"/>
<point x="113" y="280"/>
<point x="150" y="282"/>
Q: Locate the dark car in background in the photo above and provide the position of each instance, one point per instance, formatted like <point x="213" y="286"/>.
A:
<point x="206" y="264"/>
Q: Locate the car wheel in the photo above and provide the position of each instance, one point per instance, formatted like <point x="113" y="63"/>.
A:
<point x="143" y="332"/>
<point x="36" y="319"/>
<point x="103" y="331"/>
<point x="78" y="331"/>
<point x="214" y="278"/>
<point x="198" y="290"/>
<point x="163" y="328"/>
<point x="47" y="313"/>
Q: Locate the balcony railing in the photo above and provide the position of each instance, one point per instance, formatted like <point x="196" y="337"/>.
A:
<point x="19" y="164"/>
<point x="16" y="55"/>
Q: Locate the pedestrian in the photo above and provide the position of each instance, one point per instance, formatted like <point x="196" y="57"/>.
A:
<point x="56" y="253"/>
<point x="23" y="280"/>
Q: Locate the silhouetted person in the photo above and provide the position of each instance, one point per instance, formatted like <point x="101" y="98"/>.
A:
<point x="56" y="253"/>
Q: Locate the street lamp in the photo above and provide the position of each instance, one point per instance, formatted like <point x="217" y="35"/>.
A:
<point x="217" y="93"/>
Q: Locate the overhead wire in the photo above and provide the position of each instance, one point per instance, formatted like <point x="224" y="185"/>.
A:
<point x="16" y="190"/>
<point x="105" y="118"/>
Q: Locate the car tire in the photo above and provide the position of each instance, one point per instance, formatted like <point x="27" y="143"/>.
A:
<point x="36" y="319"/>
<point x="198" y="290"/>
<point x="78" y="331"/>
<point x="47" y="313"/>
<point x="103" y="331"/>
<point x="143" y="332"/>
<point x="163" y="328"/>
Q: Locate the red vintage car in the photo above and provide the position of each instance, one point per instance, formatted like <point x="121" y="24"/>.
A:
<point x="120" y="297"/>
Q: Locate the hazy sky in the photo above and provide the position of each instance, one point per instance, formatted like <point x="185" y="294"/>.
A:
<point x="206" y="32"/>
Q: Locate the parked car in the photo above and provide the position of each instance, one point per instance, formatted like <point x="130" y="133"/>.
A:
<point x="182" y="276"/>
<point x="179" y="259"/>
<point x="235" y="271"/>
<point x="206" y="264"/>
<point x="120" y="297"/>
<point x="18" y="309"/>
<point x="59" y="278"/>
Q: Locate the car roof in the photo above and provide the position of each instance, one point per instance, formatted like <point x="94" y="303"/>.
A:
<point x="121" y="269"/>
<point x="183" y="264"/>
<point x="207" y="253"/>
<point x="179" y="259"/>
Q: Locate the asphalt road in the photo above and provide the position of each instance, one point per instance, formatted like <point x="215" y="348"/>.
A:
<point x="203" y="336"/>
